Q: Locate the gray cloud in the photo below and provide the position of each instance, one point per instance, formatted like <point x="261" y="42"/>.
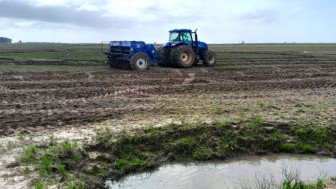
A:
<point x="59" y="14"/>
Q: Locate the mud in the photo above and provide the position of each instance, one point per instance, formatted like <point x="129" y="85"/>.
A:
<point x="278" y="86"/>
<point x="34" y="100"/>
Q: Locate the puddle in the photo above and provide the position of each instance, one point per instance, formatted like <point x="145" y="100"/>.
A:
<point x="234" y="173"/>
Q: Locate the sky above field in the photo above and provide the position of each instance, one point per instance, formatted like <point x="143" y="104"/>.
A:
<point x="217" y="21"/>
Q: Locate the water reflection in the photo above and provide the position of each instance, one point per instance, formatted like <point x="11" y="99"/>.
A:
<point x="233" y="173"/>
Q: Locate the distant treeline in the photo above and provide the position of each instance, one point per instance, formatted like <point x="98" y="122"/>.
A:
<point x="5" y="40"/>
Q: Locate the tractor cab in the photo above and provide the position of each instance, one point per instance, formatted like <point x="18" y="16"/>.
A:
<point x="180" y="36"/>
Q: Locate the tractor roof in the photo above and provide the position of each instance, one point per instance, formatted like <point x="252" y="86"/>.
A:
<point x="180" y="30"/>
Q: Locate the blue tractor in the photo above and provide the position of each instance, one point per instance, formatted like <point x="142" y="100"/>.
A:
<point x="183" y="50"/>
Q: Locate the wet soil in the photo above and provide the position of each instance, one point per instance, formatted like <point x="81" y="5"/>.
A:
<point x="35" y="100"/>
<point x="72" y="100"/>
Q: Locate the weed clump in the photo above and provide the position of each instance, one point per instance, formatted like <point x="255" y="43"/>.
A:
<point x="28" y="154"/>
<point x="203" y="154"/>
<point x="254" y="122"/>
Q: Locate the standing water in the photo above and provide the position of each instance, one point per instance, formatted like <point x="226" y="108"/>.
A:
<point x="235" y="173"/>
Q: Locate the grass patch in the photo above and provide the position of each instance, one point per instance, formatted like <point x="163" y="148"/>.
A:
<point x="76" y="185"/>
<point x="254" y="122"/>
<point x="45" y="166"/>
<point x="28" y="154"/>
<point x="223" y="123"/>
<point x="39" y="184"/>
<point x="123" y="153"/>
<point x="203" y="154"/>
<point x="187" y="140"/>
<point x="287" y="147"/>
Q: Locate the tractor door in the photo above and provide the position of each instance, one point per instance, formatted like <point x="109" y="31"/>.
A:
<point x="186" y="37"/>
<point x="195" y="43"/>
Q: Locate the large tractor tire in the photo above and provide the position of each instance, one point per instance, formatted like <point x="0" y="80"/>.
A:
<point x="140" y="61"/>
<point x="183" y="56"/>
<point x="163" y="56"/>
<point x="209" y="58"/>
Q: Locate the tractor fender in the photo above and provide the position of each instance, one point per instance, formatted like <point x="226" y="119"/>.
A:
<point x="168" y="44"/>
<point x="202" y="45"/>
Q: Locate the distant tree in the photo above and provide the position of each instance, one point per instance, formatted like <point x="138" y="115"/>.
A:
<point x="5" y="40"/>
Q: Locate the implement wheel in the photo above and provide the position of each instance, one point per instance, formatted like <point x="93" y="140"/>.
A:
<point x="140" y="61"/>
<point x="209" y="59"/>
<point x="183" y="56"/>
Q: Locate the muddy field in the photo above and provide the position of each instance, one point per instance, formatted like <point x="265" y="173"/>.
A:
<point x="46" y="94"/>
<point x="287" y="85"/>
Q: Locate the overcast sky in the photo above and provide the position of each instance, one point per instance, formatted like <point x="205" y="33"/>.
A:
<point x="218" y="21"/>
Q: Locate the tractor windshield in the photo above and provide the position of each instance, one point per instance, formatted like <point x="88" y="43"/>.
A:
<point x="180" y="36"/>
<point x="174" y="36"/>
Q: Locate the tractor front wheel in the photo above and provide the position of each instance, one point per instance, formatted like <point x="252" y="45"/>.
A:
<point x="209" y="59"/>
<point x="140" y="61"/>
<point x="183" y="56"/>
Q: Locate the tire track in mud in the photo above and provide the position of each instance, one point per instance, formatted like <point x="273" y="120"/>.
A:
<point x="30" y="101"/>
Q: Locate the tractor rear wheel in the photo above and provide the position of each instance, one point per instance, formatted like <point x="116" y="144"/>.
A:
<point x="209" y="59"/>
<point x="140" y="61"/>
<point x="163" y="56"/>
<point x="183" y="56"/>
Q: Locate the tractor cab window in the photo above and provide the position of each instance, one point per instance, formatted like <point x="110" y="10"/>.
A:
<point x="180" y="36"/>
<point x="174" y="36"/>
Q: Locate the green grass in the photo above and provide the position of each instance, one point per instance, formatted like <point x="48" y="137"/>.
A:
<point x="254" y="122"/>
<point x="28" y="154"/>
<point x="223" y="123"/>
<point x="52" y="51"/>
<point x="45" y="166"/>
<point x="76" y="185"/>
<point x="320" y="184"/>
<point x="33" y="55"/>
<point x="187" y="140"/>
<point x="39" y="185"/>
<point x="53" y="68"/>
<point x="202" y="154"/>
<point x="129" y="165"/>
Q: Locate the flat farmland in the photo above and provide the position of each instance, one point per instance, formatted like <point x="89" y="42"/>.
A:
<point x="67" y="91"/>
<point x="276" y="82"/>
